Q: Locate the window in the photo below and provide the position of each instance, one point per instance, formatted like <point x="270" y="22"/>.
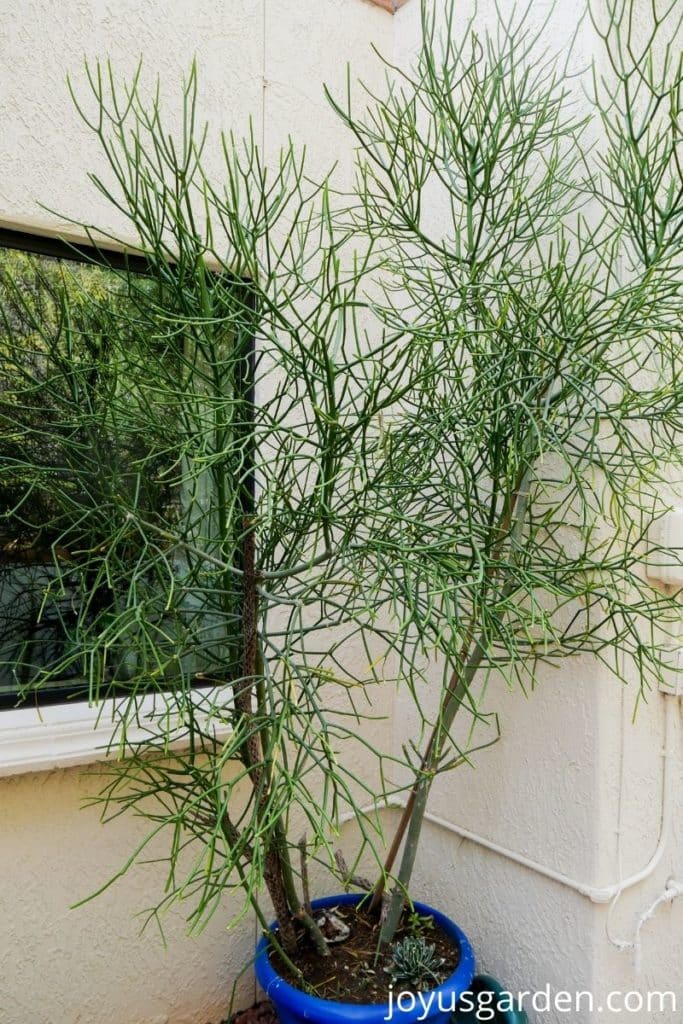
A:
<point x="125" y="474"/>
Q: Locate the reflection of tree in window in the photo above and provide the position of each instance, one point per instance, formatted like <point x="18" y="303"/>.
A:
<point x="93" y="437"/>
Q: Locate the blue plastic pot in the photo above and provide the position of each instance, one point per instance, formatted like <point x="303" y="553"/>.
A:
<point x="296" y="1007"/>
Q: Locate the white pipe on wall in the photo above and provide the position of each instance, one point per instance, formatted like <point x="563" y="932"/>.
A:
<point x="672" y="891"/>
<point x="597" y="894"/>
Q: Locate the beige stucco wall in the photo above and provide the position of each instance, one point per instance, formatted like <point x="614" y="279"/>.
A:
<point x="258" y="58"/>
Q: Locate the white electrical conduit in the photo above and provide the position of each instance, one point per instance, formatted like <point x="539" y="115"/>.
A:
<point x="672" y="891"/>
<point x="673" y="888"/>
<point x="597" y="894"/>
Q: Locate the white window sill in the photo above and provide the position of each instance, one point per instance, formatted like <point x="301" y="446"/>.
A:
<point x="61" y="735"/>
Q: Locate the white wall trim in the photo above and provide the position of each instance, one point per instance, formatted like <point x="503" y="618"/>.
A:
<point x="60" y="735"/>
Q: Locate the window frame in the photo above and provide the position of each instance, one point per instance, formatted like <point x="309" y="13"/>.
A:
<point x="58" y="729"/>
<point x="62" y="735"/>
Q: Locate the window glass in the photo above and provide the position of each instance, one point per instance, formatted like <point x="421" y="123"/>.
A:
<point x="108" y="472"/>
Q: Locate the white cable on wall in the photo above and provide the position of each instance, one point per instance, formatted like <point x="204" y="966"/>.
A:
<point x="597" y="894"/>
<point x="673" y="889"/>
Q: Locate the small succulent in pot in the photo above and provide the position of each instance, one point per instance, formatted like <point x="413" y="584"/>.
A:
<point x="415" y="963"/>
